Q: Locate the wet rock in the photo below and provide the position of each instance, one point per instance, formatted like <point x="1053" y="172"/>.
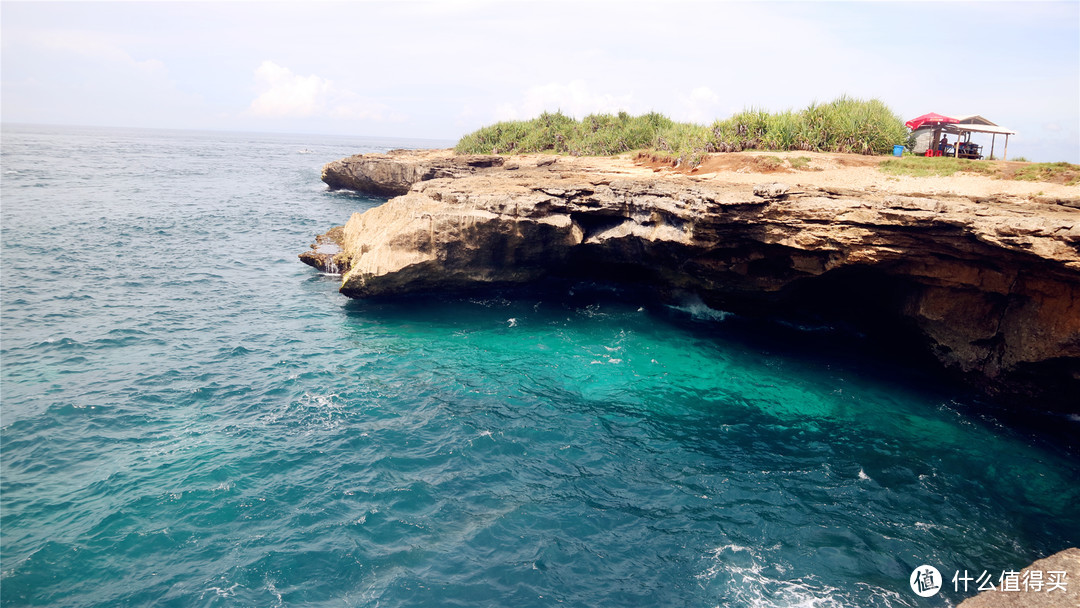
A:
<point x="326" y="252"/>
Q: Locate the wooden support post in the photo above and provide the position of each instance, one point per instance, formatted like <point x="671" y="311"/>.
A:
<point x="1005" y="154"/>
<point x="992" y="137"/>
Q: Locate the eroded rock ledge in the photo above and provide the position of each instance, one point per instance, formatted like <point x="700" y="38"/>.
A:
<point x="989" y="284"/>
<point x="395" y="173"/>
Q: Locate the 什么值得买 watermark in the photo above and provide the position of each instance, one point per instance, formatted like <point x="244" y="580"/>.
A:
<point x="926" y="581"/>
<point x="1013" y="581"/>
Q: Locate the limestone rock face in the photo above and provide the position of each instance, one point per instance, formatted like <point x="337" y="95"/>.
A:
<point x="991" y="286"/>
<point x="395" y="172"/>
<point x="1067" y="561"/>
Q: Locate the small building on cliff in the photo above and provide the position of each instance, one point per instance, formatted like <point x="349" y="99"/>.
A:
<point x="962" y="130"/>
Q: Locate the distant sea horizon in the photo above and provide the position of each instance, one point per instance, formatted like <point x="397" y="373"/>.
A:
<point x="405" y="142"/>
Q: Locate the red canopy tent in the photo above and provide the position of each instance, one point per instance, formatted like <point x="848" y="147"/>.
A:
<point x="962" y="127"/>
<point x="933" y="121"/>
<point x="929" y="119"/>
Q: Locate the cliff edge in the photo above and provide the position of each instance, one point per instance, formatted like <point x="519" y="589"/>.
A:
<point x="983" y="274"/>
<point x="1047" y="593"/>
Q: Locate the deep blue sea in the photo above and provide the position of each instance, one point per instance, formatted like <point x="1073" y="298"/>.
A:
<point x="192" y="417"/>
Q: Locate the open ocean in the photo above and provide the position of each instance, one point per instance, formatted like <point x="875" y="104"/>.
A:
<point x="192" y="417"/>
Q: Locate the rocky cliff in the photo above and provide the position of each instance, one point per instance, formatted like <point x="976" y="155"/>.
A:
<point x="373" y="174"/>
<point x="988" y="283"/>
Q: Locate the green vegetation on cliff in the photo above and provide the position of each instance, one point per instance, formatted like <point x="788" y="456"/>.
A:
<point x="943" y="166"/>
<point x="843" y="125"/>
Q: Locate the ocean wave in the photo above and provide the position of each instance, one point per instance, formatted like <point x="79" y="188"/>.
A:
<point x="697" y="309"/>
<point x="203" y="397"/>
<point x="756" y="578"/>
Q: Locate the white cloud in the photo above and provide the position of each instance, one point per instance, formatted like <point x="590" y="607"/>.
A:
<point x="701" y="106"/>
<point x="287" y="94"/>
<point x="575" y="98"/>
<point x="284" y="94"/>
<point x="93" y="46"/>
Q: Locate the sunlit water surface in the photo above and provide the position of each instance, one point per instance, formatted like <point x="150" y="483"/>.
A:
<point x="191" y="417"/>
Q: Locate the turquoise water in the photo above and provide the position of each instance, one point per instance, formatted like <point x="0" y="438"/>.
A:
<point x="191" y="417"/>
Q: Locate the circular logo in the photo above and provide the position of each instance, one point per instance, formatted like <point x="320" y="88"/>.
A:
<point x="925" y="581"/>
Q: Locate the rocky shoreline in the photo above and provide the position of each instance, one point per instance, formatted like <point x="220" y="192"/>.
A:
<point x="985" y="279"/>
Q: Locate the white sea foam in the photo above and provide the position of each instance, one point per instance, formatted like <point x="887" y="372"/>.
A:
<point x="221" y="591"/>
<point x="749" y="577"/>
<point x="310" y="410"/>
<point x="730" y="547"/>
<point x="274" y="590"/>
<point x="697" y="309"/>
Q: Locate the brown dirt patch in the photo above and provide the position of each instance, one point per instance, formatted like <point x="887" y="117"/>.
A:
<point x="655" y="162"/>
<point x="798" y="162"/>
<point x="760" y="162"/>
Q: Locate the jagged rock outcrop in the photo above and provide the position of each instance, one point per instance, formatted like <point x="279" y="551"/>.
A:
<point x="1034" y="591"/>
<point x="326" y="252"/>
<point x="990" y="285"/>
<point x="395" y="172"/>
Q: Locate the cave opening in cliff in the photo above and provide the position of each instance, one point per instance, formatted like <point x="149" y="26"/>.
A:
<point x="865" y="302"/>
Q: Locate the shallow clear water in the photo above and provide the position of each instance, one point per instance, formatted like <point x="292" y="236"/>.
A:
<point x="191" y="417"/>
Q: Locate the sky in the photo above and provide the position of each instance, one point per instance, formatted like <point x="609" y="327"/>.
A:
<point x="438" y="70"/>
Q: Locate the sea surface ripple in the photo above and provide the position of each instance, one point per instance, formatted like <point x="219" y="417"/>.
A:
<point x="191" y="417"/>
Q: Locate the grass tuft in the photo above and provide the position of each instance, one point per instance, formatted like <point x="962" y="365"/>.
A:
<point x="944" y="166"/>
<point x="941" y="166"/>
<point x="1067" y="173"/>
<point x="800" y="163"/>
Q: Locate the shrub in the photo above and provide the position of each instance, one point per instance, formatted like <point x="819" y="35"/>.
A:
<point x="843" y="125"/>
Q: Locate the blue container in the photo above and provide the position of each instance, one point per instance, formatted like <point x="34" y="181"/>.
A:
<point x="898" y="150"/>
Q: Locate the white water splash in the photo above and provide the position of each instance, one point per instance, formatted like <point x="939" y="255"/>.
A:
<point x="332" y="267"/>
<point x="699" y="310"/>
<point x="221" y="591"/>
<point x="748" y="578"/>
